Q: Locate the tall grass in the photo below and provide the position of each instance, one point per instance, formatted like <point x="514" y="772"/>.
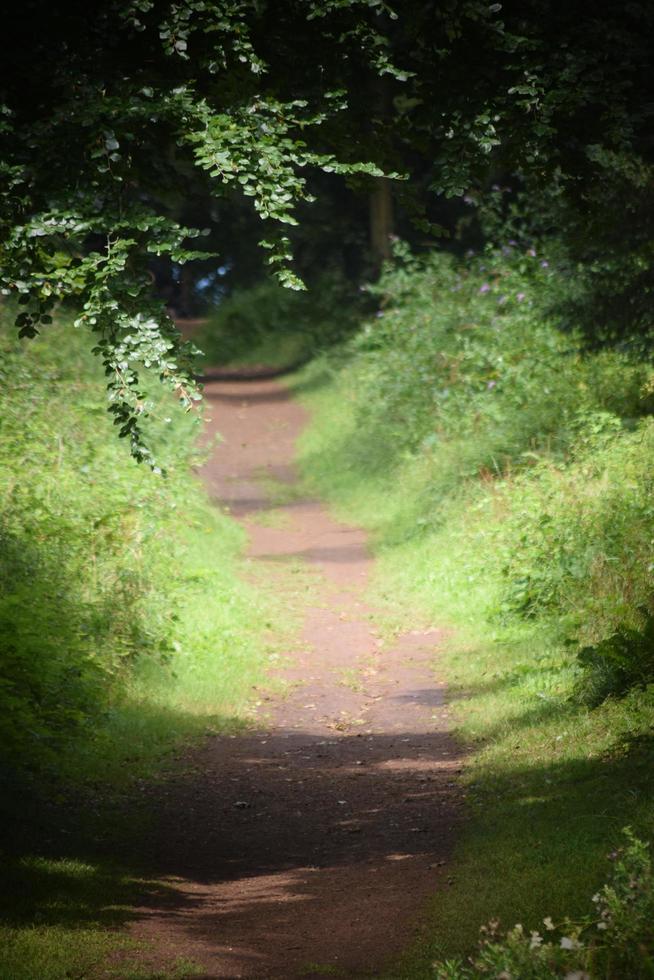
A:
<point x="118" y="587"/>
<point x="505" y="476"/>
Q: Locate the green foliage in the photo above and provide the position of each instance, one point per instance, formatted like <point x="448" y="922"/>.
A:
<point x="105" y="127"/>
<point x="530" y="451"/>
<point x="462" y="355"/>
<point x="109" y="130"/>
<point x="615" y="941"/>
<point x="267" y="324"/>
<point x="122" y="625"/>
<point x="618" y="662"/>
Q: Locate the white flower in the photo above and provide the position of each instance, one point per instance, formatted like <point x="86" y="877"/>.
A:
<point x="567" y="942"/>
<point x="535" y="941"/>
<point x="602" y="925"/>
<point x="547" y="922"/>
<point x="577" y="975"/>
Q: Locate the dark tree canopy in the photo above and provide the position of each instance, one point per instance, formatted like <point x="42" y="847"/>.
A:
<point x="111" y="111"/>
<point x="531" y="116"/>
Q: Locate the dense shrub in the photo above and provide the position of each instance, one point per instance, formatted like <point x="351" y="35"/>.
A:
<point x="463" y="352"/>
<point x="526" y="459"/>
<point x="270" y="325"/>
<point x="100" y="563"/>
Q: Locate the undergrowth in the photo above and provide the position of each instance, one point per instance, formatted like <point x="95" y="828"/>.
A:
<point x="266" y="324"/>
<point x="506" y="477"/>
<point x="613" y="940"/>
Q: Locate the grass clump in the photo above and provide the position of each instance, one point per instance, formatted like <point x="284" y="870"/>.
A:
<point x="505" y="476"/>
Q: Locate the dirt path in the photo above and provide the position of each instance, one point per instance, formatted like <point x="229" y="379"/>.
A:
<point x="311" y="845"/>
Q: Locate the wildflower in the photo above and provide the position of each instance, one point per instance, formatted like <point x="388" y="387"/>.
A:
<point x="484" y="288"/>
<point x="531" y="252"/>
<point x="379" y="313"/>
<point x="491" y="385"/>
<point x="577" y="975"/>
<point x="568" y="942"/>
<point x="544" y="264"/>
<point x="535" y="941"/>
<point x="596" y="897"/>
<point x="602" y="925"/>
<point x="502" y="300"/>
<point x="520" y="297"/>
<point x="547" y="922"/>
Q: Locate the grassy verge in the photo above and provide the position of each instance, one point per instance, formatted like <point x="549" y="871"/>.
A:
<point x="507" y="499"/>
<point x="129" y="630"/>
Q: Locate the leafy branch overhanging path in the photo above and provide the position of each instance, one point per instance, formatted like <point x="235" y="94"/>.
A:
<point x="316" y="840"/>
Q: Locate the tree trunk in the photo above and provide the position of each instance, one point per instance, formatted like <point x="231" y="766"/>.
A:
<point x="381" y="220"/>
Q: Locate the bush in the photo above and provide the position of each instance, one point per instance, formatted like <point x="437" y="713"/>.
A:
<point x="526" y="460"/>
<point x="463" y="352"/>
<point x="615" y="941"/>
<point x="104" y="592"/>
<point x="268" y="324"/>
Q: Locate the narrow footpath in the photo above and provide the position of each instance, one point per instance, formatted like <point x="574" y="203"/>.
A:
<point x="312" y="844"/>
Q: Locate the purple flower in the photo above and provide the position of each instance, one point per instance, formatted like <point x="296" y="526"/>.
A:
<point x="520" y="297"/>
<point x="491" y="385"/>
<point x="484" y="288"/>
<point x="544" y="264"/>
<point x="512" y="242"/>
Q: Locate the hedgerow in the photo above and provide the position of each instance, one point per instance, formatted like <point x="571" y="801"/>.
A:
<point x="109" y="598"/>
<point x="530" y="453"/>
